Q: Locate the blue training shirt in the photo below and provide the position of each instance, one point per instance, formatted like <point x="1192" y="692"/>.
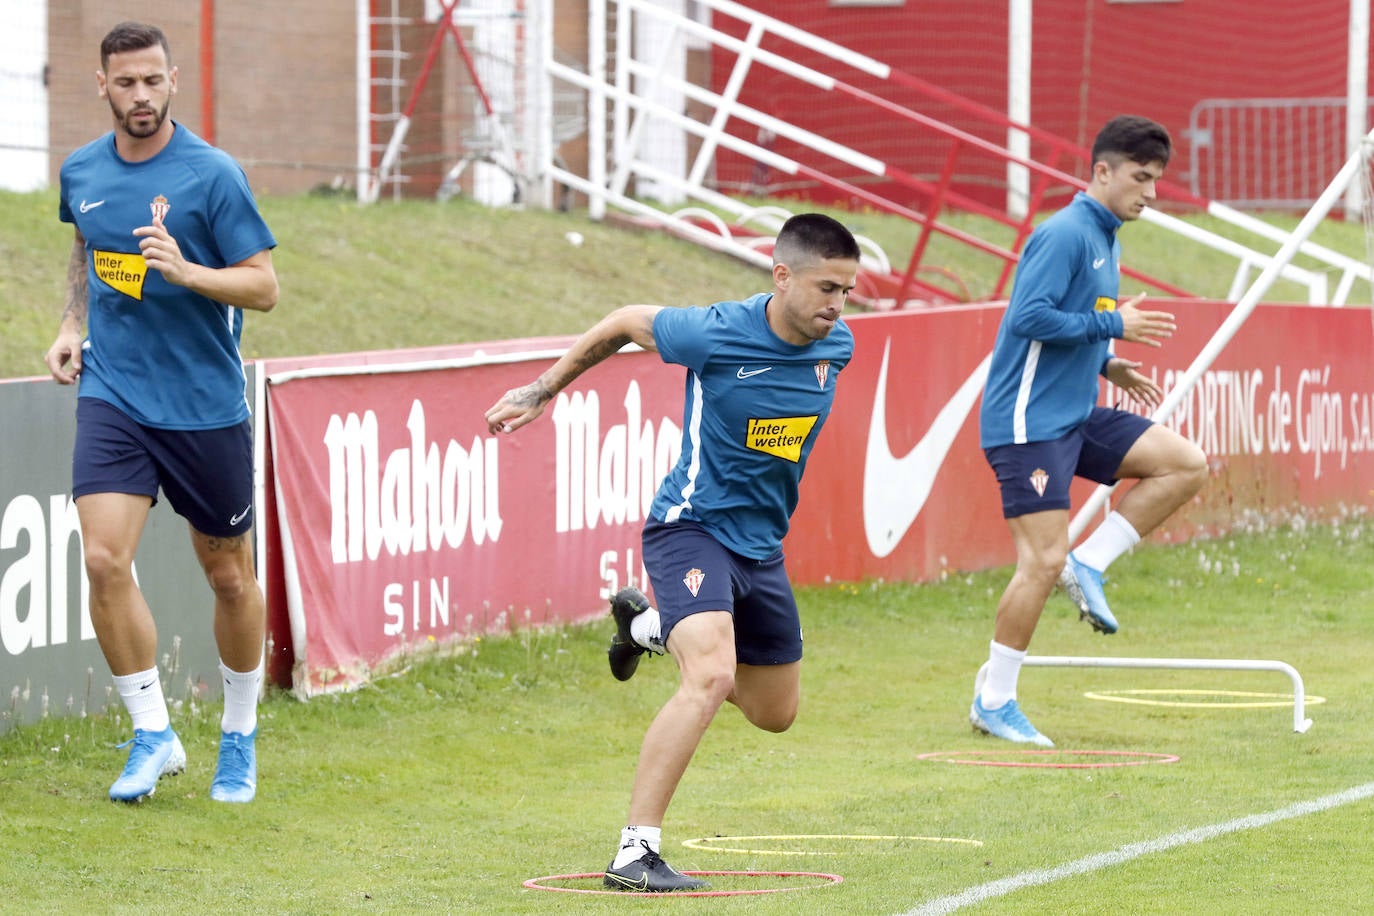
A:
<point x="753" y="408"/>
<point x="166" y="356"/>
<point x="1055" y="337"/>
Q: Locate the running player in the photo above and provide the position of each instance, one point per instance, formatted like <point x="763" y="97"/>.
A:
<point x="761" y="377"/>
<point x="168" y="250"/>
<point x="1040" y="423"/>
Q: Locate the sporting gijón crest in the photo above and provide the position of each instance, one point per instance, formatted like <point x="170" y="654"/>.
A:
<point x="822" y="372"/>
<point x="693" y="580"/>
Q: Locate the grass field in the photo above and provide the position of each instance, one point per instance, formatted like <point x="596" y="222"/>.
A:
<point x="446" y="787"/>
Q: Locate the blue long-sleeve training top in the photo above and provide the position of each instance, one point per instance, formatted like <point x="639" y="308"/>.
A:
<point x="1055" y="337"/>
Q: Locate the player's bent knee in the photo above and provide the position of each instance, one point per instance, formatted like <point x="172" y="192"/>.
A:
<point x="769" y="718"/>
<point x="1043" y="566"/>
<point x="777" y="721"/>
<point x="716" y="683"/>
<point x="1198" y="471"/>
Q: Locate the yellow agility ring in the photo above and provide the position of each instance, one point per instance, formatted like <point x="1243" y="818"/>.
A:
<point x="711" y="841"/>
<point x="1227" y="699"/>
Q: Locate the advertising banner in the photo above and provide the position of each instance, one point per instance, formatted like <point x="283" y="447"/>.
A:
<point x="403" y="522"/>
<point x="50" y="662"/>
<point x="898" y="488"/>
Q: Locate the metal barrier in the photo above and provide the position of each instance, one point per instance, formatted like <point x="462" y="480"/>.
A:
<point x="1300" y="721"/>
<point x="1266" y="154"/>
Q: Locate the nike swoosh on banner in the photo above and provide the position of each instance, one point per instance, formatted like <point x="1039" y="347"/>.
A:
<point x="896" y="489"/>
<point x="752" y="372"/>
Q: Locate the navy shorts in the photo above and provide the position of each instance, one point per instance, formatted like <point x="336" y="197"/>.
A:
<point x="206" y="474"/>
<point x="1035" y="476"/>
<point x="692" y="572"/>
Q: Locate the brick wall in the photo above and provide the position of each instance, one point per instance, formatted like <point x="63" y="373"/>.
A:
<point x="283" y="90"/>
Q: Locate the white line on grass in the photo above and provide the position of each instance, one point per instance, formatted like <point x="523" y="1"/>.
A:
<point x="1134" y="851"/>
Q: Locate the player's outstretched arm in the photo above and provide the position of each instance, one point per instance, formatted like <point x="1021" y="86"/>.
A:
<point x="627" y="324"/>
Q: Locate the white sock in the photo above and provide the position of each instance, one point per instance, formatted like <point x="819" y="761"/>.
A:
<point x="644" y="629"/>
<point x="240" y="699"/>
<point x="142" y="696"/>
<point x="632" y="840"/>
<point x="1112" y="538"/>
<point x="1004" y="668"/>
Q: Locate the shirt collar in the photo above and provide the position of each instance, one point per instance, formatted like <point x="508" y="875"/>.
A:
<point x="1100" y="214"/>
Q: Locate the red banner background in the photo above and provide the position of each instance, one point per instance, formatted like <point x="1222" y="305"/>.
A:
<point x="375" y="551"/>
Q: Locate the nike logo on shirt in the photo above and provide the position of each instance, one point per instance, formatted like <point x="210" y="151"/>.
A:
<point x="1098" y="262"/>
<point x="742" y="374"/>
<point x="240" y="517"/>
<point x="88" y="207"/>
<point x="896" y="489"/>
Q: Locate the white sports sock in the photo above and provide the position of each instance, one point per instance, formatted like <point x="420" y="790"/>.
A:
<point x="240" y="699"/>
<point x="1112" y="538"/>
<point x="1004" y="668"/>
<point x="644" y="630"/>
<point x="631" y="847"/>
<point x="142" y="696"/>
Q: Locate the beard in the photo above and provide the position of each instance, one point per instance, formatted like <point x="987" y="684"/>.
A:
<point x="129" y="119"/>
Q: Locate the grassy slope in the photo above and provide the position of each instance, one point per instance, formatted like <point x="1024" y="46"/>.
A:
<point x="417" y="273"/>
<point x="396" y="275"/>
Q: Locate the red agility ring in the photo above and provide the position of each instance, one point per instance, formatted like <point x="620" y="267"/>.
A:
<point x="1045" y="759"/>
<point x="825" y="881"/>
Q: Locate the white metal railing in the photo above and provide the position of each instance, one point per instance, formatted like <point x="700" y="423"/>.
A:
<point x="621" y="104"/>
<point x="1300" y="721"/>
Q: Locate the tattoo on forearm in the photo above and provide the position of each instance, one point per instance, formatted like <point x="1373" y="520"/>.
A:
<point x="595" y="354"/>
<point x="76" y="286"/>
<point x="541" y="390"/>
<point x="604" y="349"/>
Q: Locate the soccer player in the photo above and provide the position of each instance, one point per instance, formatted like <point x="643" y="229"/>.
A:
<point x="1040" y="423"/>
<point x="169" y="249"/>
<point x="760" y="382"/>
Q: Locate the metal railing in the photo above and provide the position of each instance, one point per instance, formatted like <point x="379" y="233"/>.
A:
<point x="624" y="91"/>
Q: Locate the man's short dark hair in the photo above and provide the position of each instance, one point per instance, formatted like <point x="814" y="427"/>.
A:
<point x="1135" y="138"/>
<point x="813" y="236"/>
<point x="132" y="36"/>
